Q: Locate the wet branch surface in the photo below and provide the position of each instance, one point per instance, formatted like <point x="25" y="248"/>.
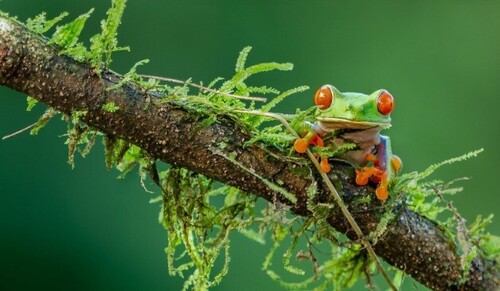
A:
<point x="170" y="134"/>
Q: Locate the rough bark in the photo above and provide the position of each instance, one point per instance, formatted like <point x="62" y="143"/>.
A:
<point x="411" y="242"/>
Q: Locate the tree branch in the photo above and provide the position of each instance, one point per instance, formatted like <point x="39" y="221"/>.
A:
<point x="171" y="134"/>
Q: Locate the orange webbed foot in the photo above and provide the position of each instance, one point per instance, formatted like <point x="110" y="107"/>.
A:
<point x="377" y="175"/>
<point x="364" y="174"/>
<point x="301" y="144"/>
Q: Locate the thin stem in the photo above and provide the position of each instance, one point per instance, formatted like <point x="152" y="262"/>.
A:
<point x="171" y="80"/>
<point x="335" y="194"/>
<point x="19" y="131"/>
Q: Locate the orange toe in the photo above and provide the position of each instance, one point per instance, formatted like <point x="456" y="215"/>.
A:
<point x="381" y="193"/>
<point x="317" y="141"/>
<point x="300" y="145"/>
<point x="397" y="164"/>
<point x="324" y="165"/>
<point x="361" y="178"/>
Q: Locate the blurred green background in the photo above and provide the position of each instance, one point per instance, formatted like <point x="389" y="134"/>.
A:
<point x="83" y="229"/>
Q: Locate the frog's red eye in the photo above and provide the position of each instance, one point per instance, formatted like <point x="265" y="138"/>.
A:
<point x="323" y="97"/>
<point x="385" y="103"/>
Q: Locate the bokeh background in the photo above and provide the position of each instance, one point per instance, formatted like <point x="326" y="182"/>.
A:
<point x="82" y="229"/>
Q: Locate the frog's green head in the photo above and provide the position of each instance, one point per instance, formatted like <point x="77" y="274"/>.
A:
<point x="340" y="110"/>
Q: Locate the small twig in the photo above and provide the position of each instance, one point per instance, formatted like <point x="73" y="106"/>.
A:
<point x="171" y="80"/>
<point x="19" y="131"/>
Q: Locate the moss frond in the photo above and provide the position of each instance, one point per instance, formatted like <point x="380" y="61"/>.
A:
<point x="31" y="102"/>
<point x="104" y="44"/>
<point x="66" y="36"/>
<point x="427" y="198"/>
<point x="203" y="229"/>
<point x="43" y="120"/>
<point x="132" y="76"/>
<point x="39" y="24"/>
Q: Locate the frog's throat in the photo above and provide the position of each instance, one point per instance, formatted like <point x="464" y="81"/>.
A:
<point x="339" y="123"/>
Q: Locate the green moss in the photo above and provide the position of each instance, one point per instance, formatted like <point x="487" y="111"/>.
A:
<point x="104" y="44"/>
<point x="198" y="229"/>
<point x="31" y="103"/>
<point x="43" y="120"/>
<point x="132" y="76"/>
<point x="41" y="25"/>
<point x="66" y="36"/>
<point x="428" y="199"/>
<point x="110" y="107"/>
<point x="80" y="137"/>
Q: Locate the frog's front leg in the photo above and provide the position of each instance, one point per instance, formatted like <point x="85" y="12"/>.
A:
<point x="383" y="165"/>
<point x="312" y="138"/>
<point x="301" y="144"/>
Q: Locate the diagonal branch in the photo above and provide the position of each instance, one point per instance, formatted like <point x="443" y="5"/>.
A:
<point x="173" y="135"/>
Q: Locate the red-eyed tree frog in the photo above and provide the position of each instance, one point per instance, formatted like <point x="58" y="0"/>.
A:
<point x="355" y="118"/>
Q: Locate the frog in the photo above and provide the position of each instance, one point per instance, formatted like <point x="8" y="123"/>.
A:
<point x="355" y="118"/>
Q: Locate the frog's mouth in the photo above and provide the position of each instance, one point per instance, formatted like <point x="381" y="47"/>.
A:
<point x="339" y="123"/>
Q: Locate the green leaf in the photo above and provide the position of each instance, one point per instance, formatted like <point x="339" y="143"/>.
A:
<point x="31" y="103"/>
<point x="67" y="35"/>
<point x="110" y="107"/>
<point x="479" y="225"/>
<point x="40" y="25"/>
<point x="263" y="90"/>
<point x="43" y="120"/>
<point x="104" y="44"/>
<point x="129" y="160"/>
<point x="282" y="97"/>
<point x="266" y="67"/>
<point x="130" y="76"/>
<point x="242" y="58"/>
<point x="205" y="123"/>
<point x="253" y="235"/>
<point x="431" y="169"/>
